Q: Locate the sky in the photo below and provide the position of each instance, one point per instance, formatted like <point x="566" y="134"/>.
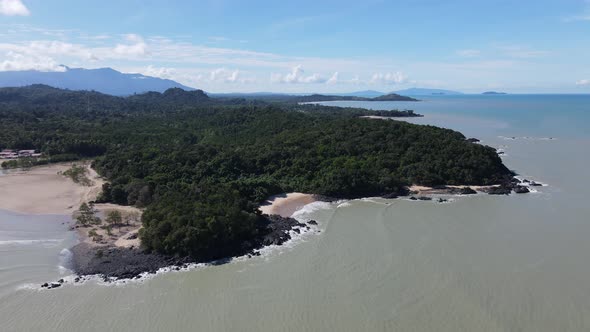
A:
<point x="526" y="46"/>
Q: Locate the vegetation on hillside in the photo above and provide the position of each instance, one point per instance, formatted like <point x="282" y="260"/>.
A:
<point x="201" y="168"/>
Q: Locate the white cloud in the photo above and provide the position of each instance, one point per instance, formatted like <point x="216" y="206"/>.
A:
<point x="469" y="53"/>
<point x="389" y="78"/>
<point x="297" y="75"/>
<point x="333" y="79"/>
<point x="20" y="62"/>
<point x="583" y="82"/>
<point x="161" y="72"/>
<point x="13" y="8"/>
<point x="225" y="75"/>
<point x="137" y="46"/>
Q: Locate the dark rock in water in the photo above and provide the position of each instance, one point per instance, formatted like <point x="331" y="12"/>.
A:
<point x="424" y="198"/>
<point x="61" y="281"/>
<point x="525" y="181"/>
<point x="442" y="200"/>
<point x="515" y="180"/>
<point x="535" y="184"/>
<point x="124" y="263"/>
<point x="45" y="285"/>
<point x="463" y="191"/>
<point x="77" y="279"/>
<point x="499" y="191"/>
<point x="54" y="285"/>
<point x="296" y="230"/>
<point x="413" y="198"/>
<point x="501" y="153"/>
<point x="473" y="140"/>
<point x="313" y="222"/>
<point x="401" y="192"/>
<point x="521" y="190"/>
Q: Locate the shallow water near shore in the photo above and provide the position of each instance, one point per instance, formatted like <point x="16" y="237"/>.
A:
<point x="478" y="263"/>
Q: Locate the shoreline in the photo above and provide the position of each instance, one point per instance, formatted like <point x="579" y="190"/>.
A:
<point x="117" y="254"/>
<point x="43" y="190"/>
<point x="285" y="205"/>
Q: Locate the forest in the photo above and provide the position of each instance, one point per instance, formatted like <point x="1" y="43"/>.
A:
<point x="201" y="166"/>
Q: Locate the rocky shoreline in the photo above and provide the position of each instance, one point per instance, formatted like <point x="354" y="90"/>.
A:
<point x="114" y="263"/>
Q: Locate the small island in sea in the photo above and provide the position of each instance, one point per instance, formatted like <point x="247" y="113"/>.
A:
<point x="178" y="177"/>
<point x="494" y="93"/>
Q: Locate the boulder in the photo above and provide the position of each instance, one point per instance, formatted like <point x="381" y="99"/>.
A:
<point x="499" y="191"/>
<point x="521" y="190"/>
<point x="312" y="222"/>
<point x="467" y="191"/>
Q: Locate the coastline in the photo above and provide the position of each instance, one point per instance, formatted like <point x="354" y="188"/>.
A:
<point x="285" y="205"/>
<point x="41" y="190"/>
<point x="117" y="254"/>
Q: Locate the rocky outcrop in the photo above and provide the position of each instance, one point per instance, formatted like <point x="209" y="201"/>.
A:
<point x="127" y="263"/>
<point x="521" y="190"/>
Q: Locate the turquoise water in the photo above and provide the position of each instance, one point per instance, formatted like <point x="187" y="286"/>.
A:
<point x="479" y="263"/>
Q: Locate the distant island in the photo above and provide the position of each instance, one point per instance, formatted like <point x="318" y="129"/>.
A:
<point x="200" y="167"/>
<point x="320" y="98"/>
<point x="494" y="93"/>
<point x="427" y="92"/>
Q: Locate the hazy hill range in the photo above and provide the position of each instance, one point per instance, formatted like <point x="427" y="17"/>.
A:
<point x="427" y="92"/>
<point x="105" y="80"/>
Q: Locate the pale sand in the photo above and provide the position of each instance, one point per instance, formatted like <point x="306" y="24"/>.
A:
<point x="41" y="190"/>
<point x="286" y="204"/>
<point x="119" y="234"/>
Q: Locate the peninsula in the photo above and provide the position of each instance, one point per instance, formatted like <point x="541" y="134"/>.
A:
<point x="199" y="167"/>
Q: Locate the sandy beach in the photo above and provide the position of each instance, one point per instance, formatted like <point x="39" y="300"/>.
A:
<point x="42" y="190"/>
<point x="286" y="204"/>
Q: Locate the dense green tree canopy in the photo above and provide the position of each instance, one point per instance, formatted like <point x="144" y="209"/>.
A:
<point x="201" y="168"/>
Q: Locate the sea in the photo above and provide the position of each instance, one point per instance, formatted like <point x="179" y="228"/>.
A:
<point x="477" y="263"/>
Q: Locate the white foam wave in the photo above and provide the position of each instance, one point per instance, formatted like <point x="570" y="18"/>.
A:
<point x="65" y="259"/>
<point x="47" y="242"/>
<point x="303" y="213"/>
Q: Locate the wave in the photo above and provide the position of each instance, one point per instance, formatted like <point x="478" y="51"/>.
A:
<point x="50" y="242"/>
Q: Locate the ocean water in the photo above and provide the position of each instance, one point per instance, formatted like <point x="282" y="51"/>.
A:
<point x="479" y="263"/>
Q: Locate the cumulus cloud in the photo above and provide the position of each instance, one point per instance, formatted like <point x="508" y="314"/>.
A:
<point x="389" y="78"/>
<point x="19" y="62"/>
<point x="13" y="8"/>
<point x="136" y="46"/>
<point x="297" y="75"/>
<point x="224" y="75"/>
<point x="161" y="72"/>
<point x="583" y="82"/>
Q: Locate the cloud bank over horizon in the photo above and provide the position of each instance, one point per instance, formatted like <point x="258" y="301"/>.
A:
<point x="291" y="53"/>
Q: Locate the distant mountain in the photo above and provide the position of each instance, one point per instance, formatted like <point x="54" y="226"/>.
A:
<point x="427" y="92"/>
<point x="105" y="80"/>
<point x="494" y="93"/>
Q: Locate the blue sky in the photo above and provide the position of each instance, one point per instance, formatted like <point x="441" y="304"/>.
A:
<point x="310" y="46"/>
